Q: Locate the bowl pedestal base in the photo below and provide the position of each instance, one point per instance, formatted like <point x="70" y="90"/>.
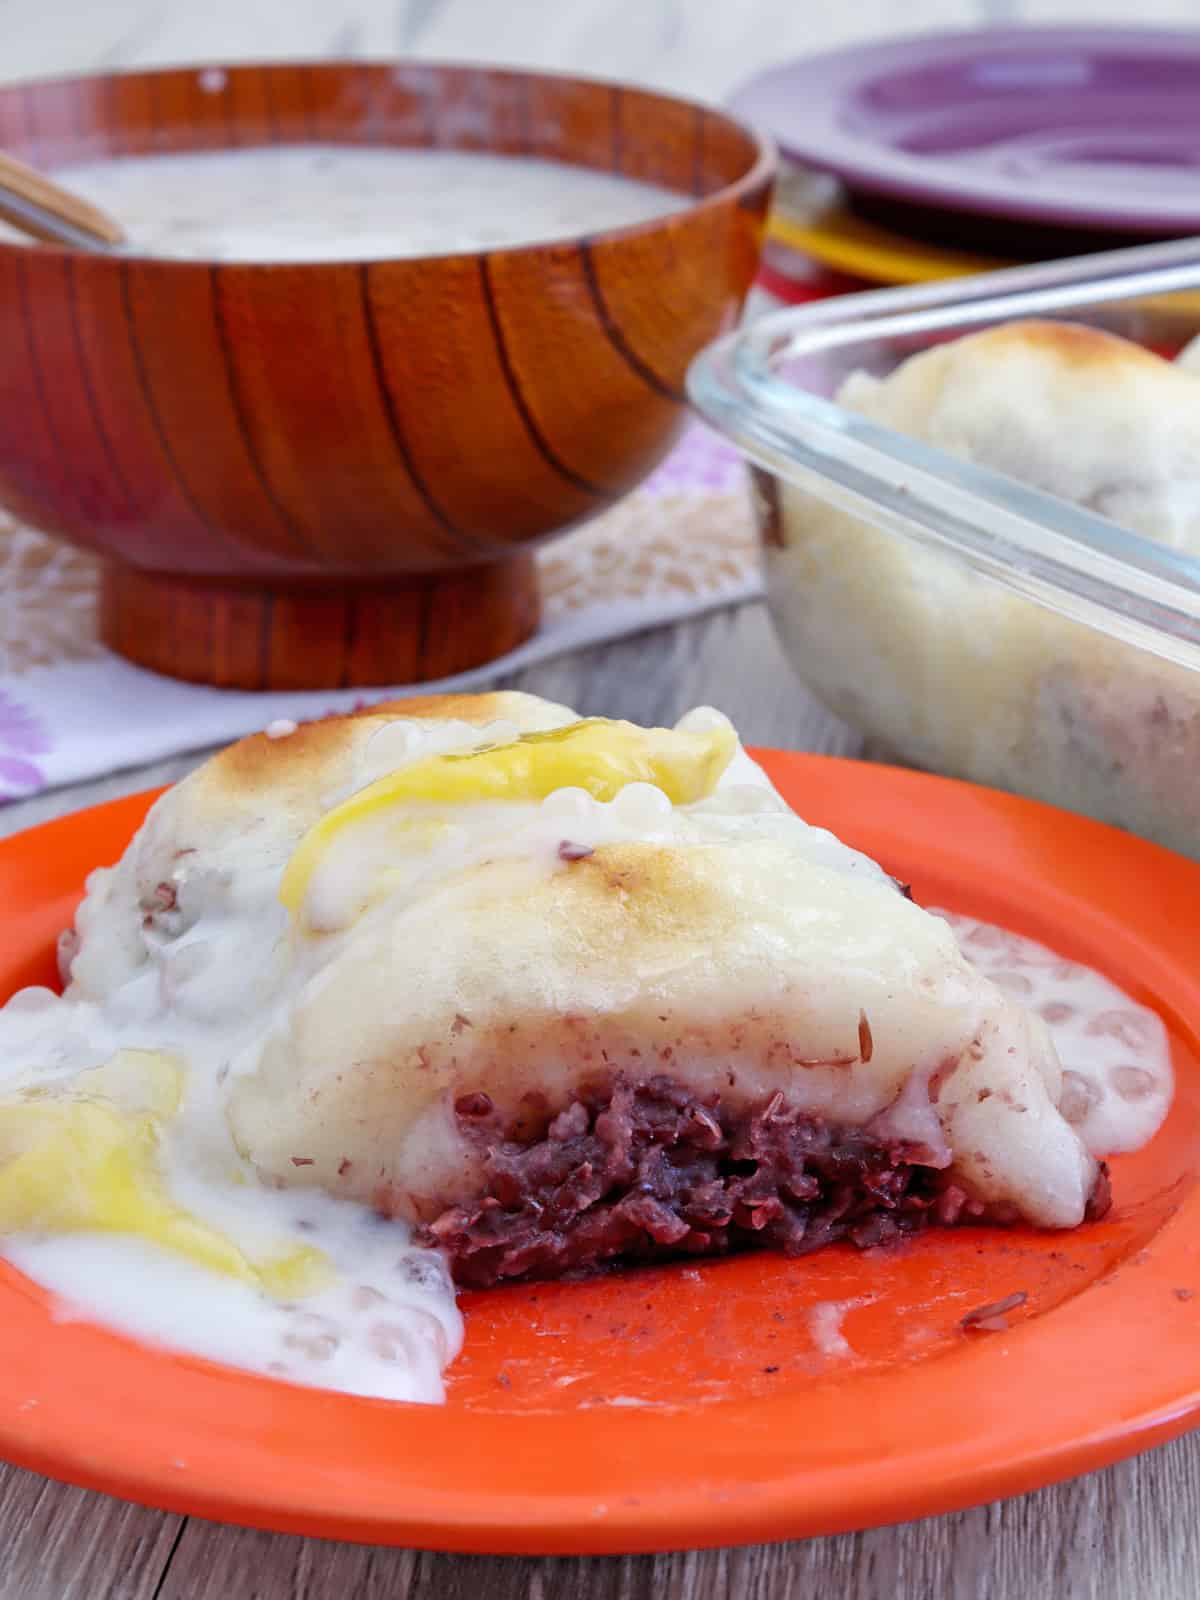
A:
<point x="318" y="635"/>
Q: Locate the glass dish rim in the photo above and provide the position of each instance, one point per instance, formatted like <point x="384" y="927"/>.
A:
<point x="1061" y="556"/>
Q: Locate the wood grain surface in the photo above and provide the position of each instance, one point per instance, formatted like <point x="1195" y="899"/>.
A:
<point x="1130" y="1533"/>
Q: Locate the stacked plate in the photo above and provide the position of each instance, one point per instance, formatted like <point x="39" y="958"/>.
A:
<point x="929" y="157"/>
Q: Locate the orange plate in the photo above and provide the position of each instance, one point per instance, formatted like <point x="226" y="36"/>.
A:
<point x="692" y="1405"/>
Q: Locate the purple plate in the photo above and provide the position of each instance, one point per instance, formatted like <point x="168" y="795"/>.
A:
<point x="1094" y="126"/>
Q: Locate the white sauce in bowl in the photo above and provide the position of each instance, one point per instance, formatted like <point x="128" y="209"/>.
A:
<point x="313" y="202"/>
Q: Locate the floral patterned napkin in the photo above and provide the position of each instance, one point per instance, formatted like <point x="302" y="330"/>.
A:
<point x="682" y="544"/>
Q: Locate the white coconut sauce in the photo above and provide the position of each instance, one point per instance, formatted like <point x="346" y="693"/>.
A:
<point x="386" y="1324"/>
<point x="312" y="202"/>
<point x="825" y="1325"/>
<point x="1117" y="1077"/>
<point x="387" y="1328"/>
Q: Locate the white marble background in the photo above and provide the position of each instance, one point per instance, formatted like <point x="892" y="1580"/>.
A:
<point x="694" y="46"/>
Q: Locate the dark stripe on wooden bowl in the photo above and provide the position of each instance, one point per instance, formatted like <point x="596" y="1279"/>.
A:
<point x="518" y="396"/>
<point x="699" y="184"/>
<point x="103" y="436"/>
<point x="461" y="541"/>
<point x="245" y="426"/>
<point x="35" y="367"/>
<point x="178" y="476"/>
<point x="618" y="340"/>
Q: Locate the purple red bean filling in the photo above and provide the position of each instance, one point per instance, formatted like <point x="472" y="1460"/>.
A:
<point x="644" y="1170"/>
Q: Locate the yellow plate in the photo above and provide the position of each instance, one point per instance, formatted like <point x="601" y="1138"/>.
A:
<point x="837" y="238"/>
<point x="840" y="239"/>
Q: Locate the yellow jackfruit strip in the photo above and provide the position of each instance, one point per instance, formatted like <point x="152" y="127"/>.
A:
<point x="84" y="1159"/>
<point x="597" y="755"/>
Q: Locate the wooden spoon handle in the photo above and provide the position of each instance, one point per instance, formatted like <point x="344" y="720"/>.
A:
<point x="41" y="208"/>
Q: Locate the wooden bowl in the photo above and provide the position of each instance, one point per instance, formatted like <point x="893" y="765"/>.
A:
<point x="324" y="474"/>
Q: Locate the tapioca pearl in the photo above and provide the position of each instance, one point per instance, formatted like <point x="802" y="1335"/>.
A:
<point x="641" y="806"/>
<point x="395" y="745"/>
<point x="1030" y="954"/>
<point x="1014" y="983"/>
<point x="184" y="962"/>
<point x="702" y="719"/>
<point x="569" y="805"/>
<point x="312" y="1321"/>
<point x="29" y="1017"/>
<point x="430" y="1331"/>
<point x="1080" y="1096"/>
<point x="1068" y="972"/>
<point x="407" y="1342"/>
<point x="1133" y="1083"/>
<point x="65" y="951"/>
<point x="314" y="1346"/>
<point x="36" y="1001"/>
<point x="749" y="799"/>
<point x="365" y="1298"/>
<point x="1134" y="1032"/>
<point x="982" y="936"/>
<point x="423" y="1269"/>
<point x="999" y="947"/>
<point x="1056" y="1012"/>
<point x="1006" y="953"/>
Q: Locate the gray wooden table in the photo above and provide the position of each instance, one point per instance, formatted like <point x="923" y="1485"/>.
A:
<point x="1131" y="1531"/>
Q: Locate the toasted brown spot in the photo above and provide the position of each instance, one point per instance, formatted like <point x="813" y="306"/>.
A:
<point x="256" y="761"/>
<point x="644" y="891"/>
<point x="479" y="709"/>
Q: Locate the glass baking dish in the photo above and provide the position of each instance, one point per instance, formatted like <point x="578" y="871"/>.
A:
<point x="962" y="620"/>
